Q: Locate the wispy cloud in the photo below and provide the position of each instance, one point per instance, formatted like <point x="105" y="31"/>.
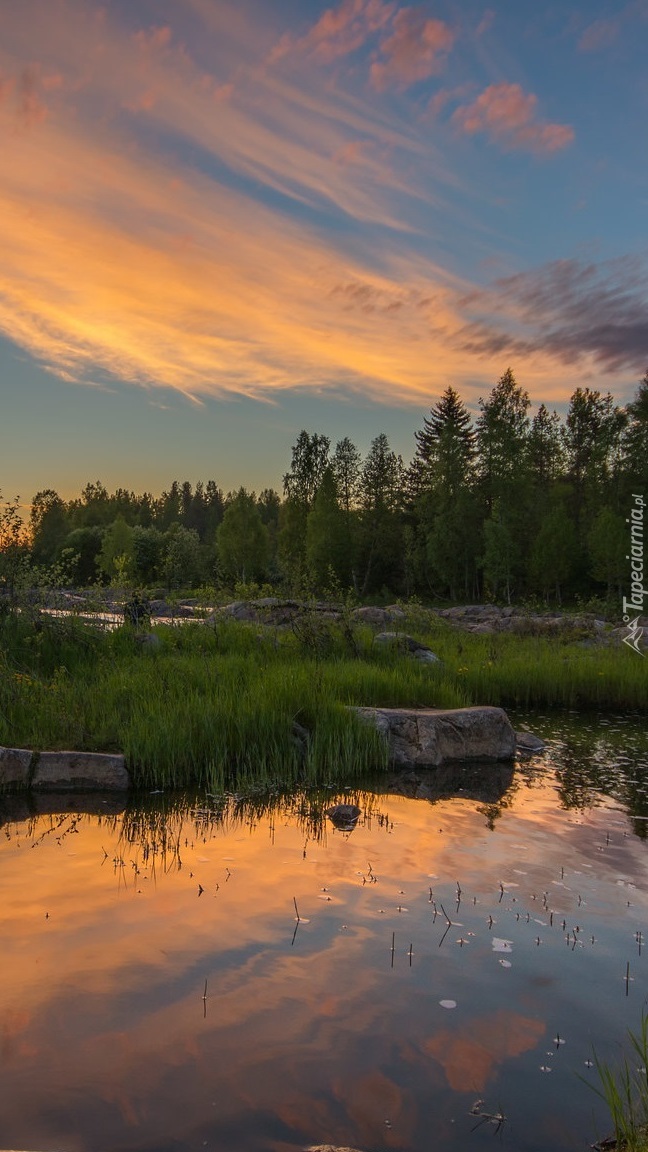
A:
<point x="598" y="36"/>
<point x="508" y="115"/>
<point x="416" y="48"/>
<point x="339" y="31"/>
<point x="486" y="23"/>
<point x="568" y="310"/>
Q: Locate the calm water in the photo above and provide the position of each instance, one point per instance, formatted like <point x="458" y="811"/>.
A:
<point x="157" y="991"/>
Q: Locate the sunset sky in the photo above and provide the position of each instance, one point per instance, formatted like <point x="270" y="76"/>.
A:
<point x="224" y="222"/>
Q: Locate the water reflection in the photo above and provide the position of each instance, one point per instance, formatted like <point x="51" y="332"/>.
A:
<point x="155" y="994"/>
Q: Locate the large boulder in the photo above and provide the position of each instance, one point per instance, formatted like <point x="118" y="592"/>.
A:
<point x="428" y="737"/>
<point x="85" y="771"/>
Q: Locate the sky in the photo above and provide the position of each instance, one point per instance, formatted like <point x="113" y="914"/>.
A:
<point x="221" y="223"/>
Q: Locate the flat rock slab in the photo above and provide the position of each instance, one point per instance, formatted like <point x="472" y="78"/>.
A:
<point x="85" y="771"/>
<point x="429" y="737"/>
<point x="15" y="767"/>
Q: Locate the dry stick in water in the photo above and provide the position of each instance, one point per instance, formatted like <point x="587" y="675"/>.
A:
<point x="449" y="921"/>
<point x="296" y="908"/>
<point x="392" y="948"/>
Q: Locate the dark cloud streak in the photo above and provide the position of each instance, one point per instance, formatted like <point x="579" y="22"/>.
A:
<point x="567" y="309"/>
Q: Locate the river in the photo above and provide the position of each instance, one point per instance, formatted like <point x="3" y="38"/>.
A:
<point x="192" y="972"/>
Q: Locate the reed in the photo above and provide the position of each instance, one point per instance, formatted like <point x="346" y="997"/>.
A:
<point x="625" y="1092"/>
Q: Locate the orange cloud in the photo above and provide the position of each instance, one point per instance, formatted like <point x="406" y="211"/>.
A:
<point x="339" y="31"/>
<point x="507" y="114"/>
<point x="415" y="50"/>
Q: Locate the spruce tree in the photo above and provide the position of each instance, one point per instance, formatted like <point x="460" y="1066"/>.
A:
<point x="445" y="449"/>
<point x="381" y="541"/>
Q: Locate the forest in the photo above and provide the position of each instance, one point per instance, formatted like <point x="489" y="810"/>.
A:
<point x="504" y="507"/>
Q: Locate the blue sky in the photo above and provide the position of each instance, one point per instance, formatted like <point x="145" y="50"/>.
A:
<point x="222" y="223"/>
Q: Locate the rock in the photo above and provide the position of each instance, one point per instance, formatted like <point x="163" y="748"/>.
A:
<point x="329" y="1148"/>
<point x="268" y="610"/>
<point x="377" y="617"/>
<point x="15" y="766"/>
<point x="528" y="744"/>
<point x="85" y="771"/>
<point x="408" y="644"/>
<point x="344" y="816"/>
<point x="430" y="737"/>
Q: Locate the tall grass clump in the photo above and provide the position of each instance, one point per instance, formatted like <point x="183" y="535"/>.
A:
<point x="625" y="1092"/>
<point x="523" y="671"/>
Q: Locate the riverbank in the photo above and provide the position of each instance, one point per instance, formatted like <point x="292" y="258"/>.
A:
<point x="225" y="702"/>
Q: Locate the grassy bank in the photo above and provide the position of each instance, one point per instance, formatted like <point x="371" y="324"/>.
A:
<point x="216" y="705"/>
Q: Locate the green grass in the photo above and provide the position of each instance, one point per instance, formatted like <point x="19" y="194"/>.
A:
<point x="625" y="1092"/>
<point x="215" y="705"/>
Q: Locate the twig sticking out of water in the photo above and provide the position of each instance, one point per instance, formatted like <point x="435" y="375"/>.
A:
<point x="296" y="909"/>
<point x="448" y="920"/>
<point x="393" y="948"/>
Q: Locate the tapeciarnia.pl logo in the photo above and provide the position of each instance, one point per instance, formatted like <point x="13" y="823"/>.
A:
<point x="635" y="556"/>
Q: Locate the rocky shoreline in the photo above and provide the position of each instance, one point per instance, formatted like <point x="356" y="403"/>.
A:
<point x="282" y="612"/>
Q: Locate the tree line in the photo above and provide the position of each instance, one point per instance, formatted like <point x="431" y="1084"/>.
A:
<point x="503" y="506"/>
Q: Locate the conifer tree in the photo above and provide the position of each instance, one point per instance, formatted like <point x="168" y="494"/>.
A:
<point x="502" y="438"/>
<point x="445" y="449"/>
<point x="381" y="543"/>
